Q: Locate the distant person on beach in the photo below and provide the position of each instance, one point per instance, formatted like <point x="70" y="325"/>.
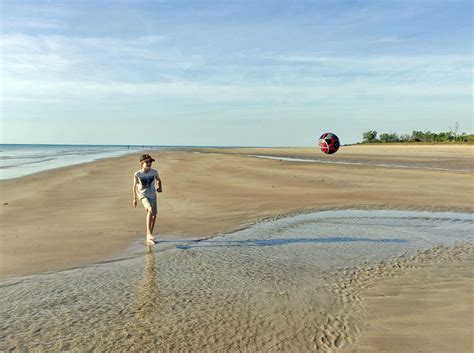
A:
<point x="144" y="181"/>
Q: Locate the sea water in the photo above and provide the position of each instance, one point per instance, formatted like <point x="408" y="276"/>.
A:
<point x="23" y="159"/>
<point x="265" y="288"/>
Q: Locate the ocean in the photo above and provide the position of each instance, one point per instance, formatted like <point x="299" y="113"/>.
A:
<point x="18" y="160"/>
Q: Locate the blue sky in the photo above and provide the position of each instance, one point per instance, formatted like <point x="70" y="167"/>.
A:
<point x="258" y="73"/>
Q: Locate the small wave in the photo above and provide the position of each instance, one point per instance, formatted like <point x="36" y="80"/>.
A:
<point x="27" y="163"/>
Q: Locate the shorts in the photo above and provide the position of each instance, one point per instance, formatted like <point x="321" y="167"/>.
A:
<point x="149" y="204"/>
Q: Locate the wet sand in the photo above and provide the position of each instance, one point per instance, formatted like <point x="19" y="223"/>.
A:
<point x="83" y="214"/>
<point x="293" y="284"/>
<point x="425" y="305"/>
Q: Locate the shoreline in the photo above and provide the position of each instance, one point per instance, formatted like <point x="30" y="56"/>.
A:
<point x="56" y="169"/>
<point x="288" y="152"/>
<point x="20" y="160"/>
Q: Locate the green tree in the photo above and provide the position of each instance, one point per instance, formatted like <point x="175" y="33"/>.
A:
<point x="389" y="138"/>
<point x="405" y="138"/>
<point x="452" y="135"/>
<point x="416" y="136"/>
<point x="370" y="136"/>
<point x="427" y="136"/>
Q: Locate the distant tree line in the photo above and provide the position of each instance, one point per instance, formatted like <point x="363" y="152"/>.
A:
<point x="418" y="136"/>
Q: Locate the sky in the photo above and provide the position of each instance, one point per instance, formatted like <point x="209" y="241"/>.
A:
<point x="232" y="73"/>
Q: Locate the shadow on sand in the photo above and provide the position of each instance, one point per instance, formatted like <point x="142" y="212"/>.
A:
<point x="277" y="242"/>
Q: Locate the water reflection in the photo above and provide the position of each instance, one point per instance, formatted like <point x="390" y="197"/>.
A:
<point x="148" y="288"/>
<point x="147" y="311"/>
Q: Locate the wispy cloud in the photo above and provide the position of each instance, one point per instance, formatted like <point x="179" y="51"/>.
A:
<point x="117" y="93"/>
<point x="58" y="70"/>
<point x="222" y="59"/>
<point x="443" y="62"/>
<point x="27" y="54"/>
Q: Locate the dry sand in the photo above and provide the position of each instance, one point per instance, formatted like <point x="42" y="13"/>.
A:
<point x="81" y="214"/>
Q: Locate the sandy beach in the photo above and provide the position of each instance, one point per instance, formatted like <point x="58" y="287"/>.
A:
<point x="82" y="214"/>
<point x="79" y="214"/>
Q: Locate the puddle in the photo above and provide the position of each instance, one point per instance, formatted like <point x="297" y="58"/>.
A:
<point x="262" y="288"/>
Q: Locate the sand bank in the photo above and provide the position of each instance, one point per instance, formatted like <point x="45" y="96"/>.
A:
<point x="80" y="214"/>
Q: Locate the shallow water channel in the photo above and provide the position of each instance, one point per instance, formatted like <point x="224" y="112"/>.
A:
<point x="264" y="288"/>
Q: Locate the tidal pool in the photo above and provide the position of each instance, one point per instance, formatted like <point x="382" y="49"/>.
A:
<point x="265" y="288"/>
